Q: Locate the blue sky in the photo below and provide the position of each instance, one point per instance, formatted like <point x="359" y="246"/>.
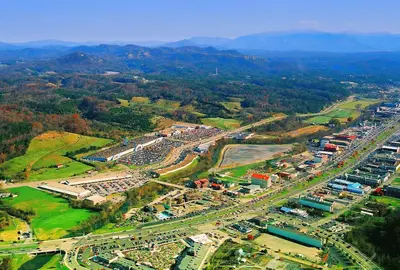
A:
<point x="167" y="20"/>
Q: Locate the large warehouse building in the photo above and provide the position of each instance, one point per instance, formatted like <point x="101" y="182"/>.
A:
<point x="70" y="191"/>
<point x="295" y="236"/>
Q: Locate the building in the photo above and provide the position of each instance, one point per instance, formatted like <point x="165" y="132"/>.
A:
<point x="390" y="148"/>
<point x="262" y="180"/>
<point x="241" y="228"/>
<point x="329" y="147"/>
<point x="316" y="203"/>
<point x="295" y="236"/>
<point x="127" y="147"/>
<point x="96" y="199"/>
<point x="392" y="191"/>
<point x="70" y="191"/>
<point x="201" y="183"/>
<point x="250" y="189"/>
<point x="344" y="137"/>
<point x="192" y="258"/>
<point x="217" y="186"/>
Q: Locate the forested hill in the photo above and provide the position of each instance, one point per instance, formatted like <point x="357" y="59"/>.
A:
<point x="102" y="58"/>
<point x="191" y="61"/>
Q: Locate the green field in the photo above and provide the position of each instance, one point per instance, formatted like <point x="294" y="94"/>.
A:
<point x="140" y="100"/>
<point x="47" y="150"/>
<point x="343" y="111"/>
<point x="42" y="262"/>
<point x="53" y="215"/>
<point x="222" y="123"/>
<point x="232" y="106"/>
<point x="241" y="170"/>
<point x="395" y="202"/>
<point x="396" y="181"/>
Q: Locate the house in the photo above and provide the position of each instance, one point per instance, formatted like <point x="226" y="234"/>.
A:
<point x="217" y="186"/>
<point x="262" y="180"/>
<point x="58" y="166"/>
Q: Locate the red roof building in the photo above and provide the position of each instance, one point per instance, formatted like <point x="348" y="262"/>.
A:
<point x="331" y="147"/>
<point x="262" y="180"/>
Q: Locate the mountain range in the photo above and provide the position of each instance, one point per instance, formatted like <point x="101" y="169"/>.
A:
<point x="310" y="41"/>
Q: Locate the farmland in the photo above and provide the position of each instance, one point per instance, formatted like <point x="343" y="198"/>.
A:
<point x="47" y="150"/>
<point x="343" y="111"/>
<point x="53" y="216"/>
<point x="305" y="131"/>
<point x="226" y="124"/>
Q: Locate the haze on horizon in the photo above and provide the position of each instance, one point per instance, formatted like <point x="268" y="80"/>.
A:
<point x="160" y="20"/>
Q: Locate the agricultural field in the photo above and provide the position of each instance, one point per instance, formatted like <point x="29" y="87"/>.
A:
<point x="140" y="100"/>
<point x="222" y="123"/>
<point x="47" y="150"/>
<point x="343" y="111"/>
<point x="53" y="216"/>
<point x="236" y="155"/>
<point x="11" y="232"/>
<point x="305" y="131"/>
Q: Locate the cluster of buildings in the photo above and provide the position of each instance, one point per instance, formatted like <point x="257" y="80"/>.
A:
<point x="127" y="147"/>
<point x="316" y="202"/>
<point x="388" y="109"/>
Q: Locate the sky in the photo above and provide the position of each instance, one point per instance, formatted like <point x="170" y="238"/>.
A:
<point x="170" y="20"/>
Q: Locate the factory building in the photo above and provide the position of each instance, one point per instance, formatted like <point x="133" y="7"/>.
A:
<point x="70" y="191"/>
<point x="96" y="199"/>
<point x="392" y="191"/>
<point x="295" y="236"/>
<point x="390" y="148"/>
<point x="316" y="203"/>
<point x="262" y="180"/>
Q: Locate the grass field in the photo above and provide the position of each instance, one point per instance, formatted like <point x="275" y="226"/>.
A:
<point x="10" y="233"/>
<point x="232" y="106"/>
<point x="123" y="102"/>
<point x="42" y="262"/>
<point x="226" y="124"/>
<point x="140" y="100"/>
<point x="47" y="150"/>
<point x="305" y="131"/>
<point x="395" y="202"/>
<point x="240" y="171"/>
<point x="343" y="111"/>
<point x="396" y="181"/>
<point x="53" y="215"/>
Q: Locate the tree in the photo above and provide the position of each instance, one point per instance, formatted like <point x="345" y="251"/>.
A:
<point x="335" y="122"/>
<point x="5" y="264"/>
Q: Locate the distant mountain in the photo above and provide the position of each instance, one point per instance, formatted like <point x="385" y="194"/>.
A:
<point x="310" y="41"/>
<point x="7" y="46"/>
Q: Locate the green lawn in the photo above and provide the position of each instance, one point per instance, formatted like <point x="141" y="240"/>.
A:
<point x="70" y="169"/>
<point x="42" y="262"/>
<point x="222" y="123"/>
<point x="362" y="103"/>
<point x="47" y="150"/>
<point x="53" y="215"/>
<point x="319" y="120"/>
